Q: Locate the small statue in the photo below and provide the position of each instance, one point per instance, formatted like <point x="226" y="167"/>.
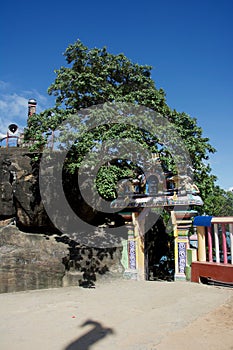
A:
<point x="189" y="186"/>
<point x="184" y="182"/>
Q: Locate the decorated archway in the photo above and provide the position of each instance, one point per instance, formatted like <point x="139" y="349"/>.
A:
<point x="139" y="250"/>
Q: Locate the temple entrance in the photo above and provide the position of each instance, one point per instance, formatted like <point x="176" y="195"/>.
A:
<point x="159" y="260"/>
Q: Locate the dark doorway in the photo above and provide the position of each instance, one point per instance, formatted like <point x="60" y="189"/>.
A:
<point x="159" y="256"/>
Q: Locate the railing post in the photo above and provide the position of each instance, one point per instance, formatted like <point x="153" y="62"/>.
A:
<point x="210" y="246"/>
<point x="202" y="222"/>
<point x="224" y="244"/>
<point x="231" y="240"/>
<point x="201" y="243"/>
<point x="216" y="240"/>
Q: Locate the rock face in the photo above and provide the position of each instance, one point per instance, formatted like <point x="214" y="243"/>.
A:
<point x="39" y="260"/>
<point x="30" y="261"/>
<point x="19" y="189"/>
<point x="7" y="208"/>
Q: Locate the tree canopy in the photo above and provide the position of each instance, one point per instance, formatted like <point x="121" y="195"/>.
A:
<point x="94" y="76"/>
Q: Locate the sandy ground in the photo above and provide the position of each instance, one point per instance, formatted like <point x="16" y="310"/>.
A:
<point x="122" y="314"/>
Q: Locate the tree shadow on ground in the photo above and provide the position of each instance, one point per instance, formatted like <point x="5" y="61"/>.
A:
<point x="85" y="342"/>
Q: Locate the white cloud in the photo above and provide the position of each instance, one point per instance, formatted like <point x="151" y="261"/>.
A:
<point x="13" y="109"/>
<point x="14" y="106"/>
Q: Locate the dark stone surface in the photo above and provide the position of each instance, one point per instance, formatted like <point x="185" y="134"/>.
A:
<point x="33" y="254"/>
<point x="35" y="261"/>
<point x="30" y="261"/>
<point x="7" y="208"/>
<point x="19" y="189"/>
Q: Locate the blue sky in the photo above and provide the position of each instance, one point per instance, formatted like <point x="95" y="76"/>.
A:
<point x="188" y="43"/>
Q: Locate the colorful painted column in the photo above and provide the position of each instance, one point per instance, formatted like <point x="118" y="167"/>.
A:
<point x="124" y="259"/>
<point x="216" y="239"/>
<point x="139" y="231"/>
<point x="201" y="243"/>
<point x="231" y="241"/>
<point x="129" y="253"/>
<point x="131" y="271"/>
<point x="182" y="222"/>
<point x="224" y="244"/>
<point x="202" y="222"/>
<point x="210" y="244"/>
<point x="133" y="248"/>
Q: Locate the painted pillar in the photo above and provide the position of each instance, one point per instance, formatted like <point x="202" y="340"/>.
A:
<point x="210" y="245"/>
<point x="133" y="259"/>
<point x="191" y="257"/>
<point x="216" y="240"/>
<point x="129" y="253"/>
<point x="201" y="243"/>
<point x="231" y="240"/>
<point x="202" y="222"/>
<point x="181" y="243"/>
<point x="131" y="271"/>
<point x="224" y="244"/>
<point x="124" y="257"/>
<point x="139" y="228"/>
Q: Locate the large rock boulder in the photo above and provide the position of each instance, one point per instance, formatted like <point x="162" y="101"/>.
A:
<point x="7" y="208"/>
<point x="30" y="261"/>
<point x="39" y="260"/>
<point x="19" y="189"/>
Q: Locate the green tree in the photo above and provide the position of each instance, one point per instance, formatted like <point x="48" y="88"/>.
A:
<point x="219" y="202"/>
<point x="95" y="76"/>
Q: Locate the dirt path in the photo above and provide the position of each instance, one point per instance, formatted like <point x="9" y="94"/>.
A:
<point x="126" y="315"/>
<point x="213" y="331"/>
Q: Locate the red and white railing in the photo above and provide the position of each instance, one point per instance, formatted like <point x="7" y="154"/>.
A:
<point x="216" y="245"/>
